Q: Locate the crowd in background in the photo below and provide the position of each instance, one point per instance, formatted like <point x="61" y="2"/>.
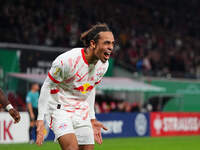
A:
<point x="155" y="37"/>
<point x="103" y="104"/>
<point x="107" y="104"/>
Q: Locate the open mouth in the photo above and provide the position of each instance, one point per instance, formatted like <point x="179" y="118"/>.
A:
<point x="107" y="55"/>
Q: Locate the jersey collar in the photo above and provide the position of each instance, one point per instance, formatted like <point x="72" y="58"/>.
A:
<point x="83" y="55"/>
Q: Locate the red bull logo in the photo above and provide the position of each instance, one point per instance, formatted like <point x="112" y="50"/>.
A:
<point x="84" y="88"/>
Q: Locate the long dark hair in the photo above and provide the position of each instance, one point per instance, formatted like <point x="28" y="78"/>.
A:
<point x="93" y="33"/>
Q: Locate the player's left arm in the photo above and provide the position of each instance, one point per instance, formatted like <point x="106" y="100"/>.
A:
<point x="91" y="102"/>
<point x="96" y="125"/>
<point x="6" y="104"/>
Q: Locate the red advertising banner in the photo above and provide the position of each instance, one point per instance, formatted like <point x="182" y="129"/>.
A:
<point x="14" y="133"/>
<point x="174" y="124"/>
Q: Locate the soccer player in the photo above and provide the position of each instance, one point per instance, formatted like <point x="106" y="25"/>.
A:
<point x="6" y="104"/>
<point x="32" y="104"/>
<point x="68" y="93"/>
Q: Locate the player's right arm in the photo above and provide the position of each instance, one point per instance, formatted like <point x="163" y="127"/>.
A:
<point x="3" y="101"/>
<point x="55" y="76"/>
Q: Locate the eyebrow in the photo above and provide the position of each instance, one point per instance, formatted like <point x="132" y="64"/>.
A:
<point x="106" y="41"/>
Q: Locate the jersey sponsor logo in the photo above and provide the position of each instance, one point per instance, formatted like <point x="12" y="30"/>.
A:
<point x="85" y="88"/>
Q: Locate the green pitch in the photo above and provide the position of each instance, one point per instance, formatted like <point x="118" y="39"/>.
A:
<point x="163" y="143"/>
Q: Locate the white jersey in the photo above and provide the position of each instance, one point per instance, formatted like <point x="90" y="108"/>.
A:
<point x="71" y="83"/>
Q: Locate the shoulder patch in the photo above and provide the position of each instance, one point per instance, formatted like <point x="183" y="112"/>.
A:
<point x="57" y="70"/>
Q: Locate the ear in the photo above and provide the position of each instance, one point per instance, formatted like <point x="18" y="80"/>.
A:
<point x="93" y="44"/>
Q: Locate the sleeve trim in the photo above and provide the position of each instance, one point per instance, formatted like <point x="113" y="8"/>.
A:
<point x="54" y="80"/>
<point x="97" y="82"/>
<point x="54" y="91"/>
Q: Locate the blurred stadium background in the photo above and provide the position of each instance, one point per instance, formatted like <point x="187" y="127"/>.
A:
<point x="152" y="87"/>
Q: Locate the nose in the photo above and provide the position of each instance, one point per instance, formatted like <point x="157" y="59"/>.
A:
<point x="111" y="47"/>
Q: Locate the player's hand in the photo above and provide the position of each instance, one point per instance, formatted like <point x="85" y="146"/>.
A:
<point x="40" y="132"/>
<point x="96" y="125"/>
<point x="15" y="115"/>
